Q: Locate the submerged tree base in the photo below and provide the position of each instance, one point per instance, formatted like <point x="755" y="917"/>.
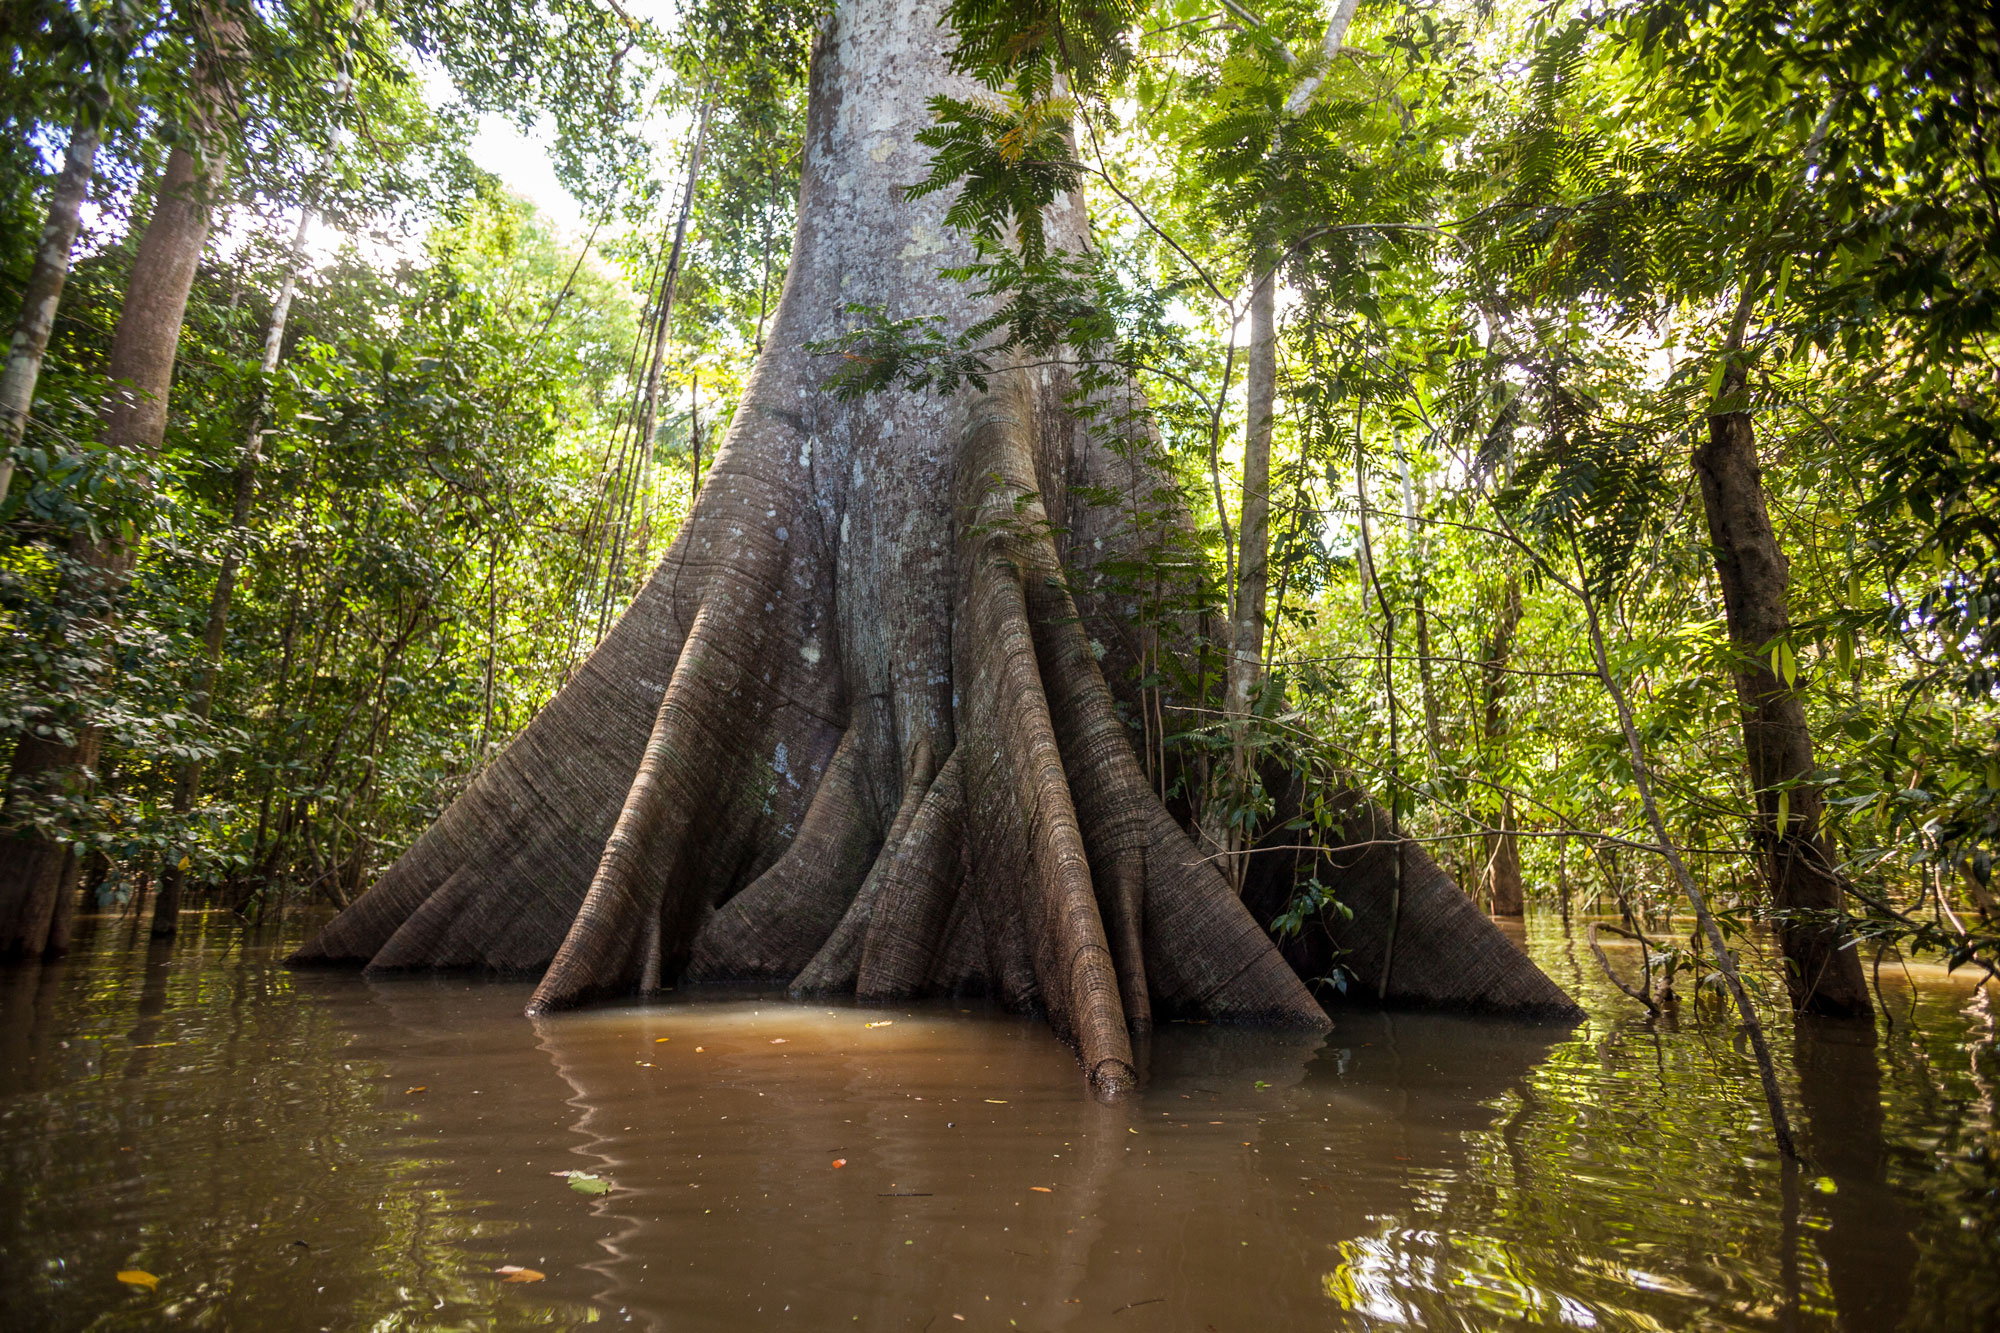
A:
<point x="854" y="736"/>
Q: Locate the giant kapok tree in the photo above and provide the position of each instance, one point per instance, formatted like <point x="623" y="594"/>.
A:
<point x="859" y="733"/>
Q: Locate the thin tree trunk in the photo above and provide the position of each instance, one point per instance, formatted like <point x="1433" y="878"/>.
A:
<point x="1413" y="528"/>
<point x="44" y="292"/>
<point x="187" y="783"/>
<point x="1246" y="649"/>
<point x="140" y="369"/>
<point x="1822" y="971"/>
<point x="492" y="646"/>
<point x="1503" y="850"/>
<point x="1725" y="960"/>
<point x="1245" y="667"/>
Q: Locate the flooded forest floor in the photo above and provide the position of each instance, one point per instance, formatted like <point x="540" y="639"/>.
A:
<point x="196" y="1136"/>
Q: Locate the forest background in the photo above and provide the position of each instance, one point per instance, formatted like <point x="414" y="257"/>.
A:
<point x="1518" y="264"/>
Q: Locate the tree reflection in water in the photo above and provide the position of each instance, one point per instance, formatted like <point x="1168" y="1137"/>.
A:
<point x="258" y="1140"/>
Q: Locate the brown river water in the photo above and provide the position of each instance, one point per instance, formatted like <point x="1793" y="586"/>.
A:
<point x="311" y="1150"/>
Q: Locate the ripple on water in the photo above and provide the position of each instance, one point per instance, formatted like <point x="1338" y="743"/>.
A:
<point x="319" y="1150"/>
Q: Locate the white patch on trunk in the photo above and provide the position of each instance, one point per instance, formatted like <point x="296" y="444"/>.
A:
<point x="810" y="651"/>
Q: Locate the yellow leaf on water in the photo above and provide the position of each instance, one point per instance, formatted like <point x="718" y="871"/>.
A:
<point x="421" y="1087"/>
<point x="996" y="1101"/>
<point x="516" y="1273"/>
<point x="887" y="1022"/>
<point x="1041" y="1189"/>
<point x="138" y="1277"/>
<point x="658" y="1040"/>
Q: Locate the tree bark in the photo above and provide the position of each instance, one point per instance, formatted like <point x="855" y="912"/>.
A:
<point x="856" y="733"/>
<point x="1503" y="848"/>
<point x="1822" y="971"/>
<point x="1246" y="649"/>
<point x="44" y="293"/>
<point x="140" y="368"/>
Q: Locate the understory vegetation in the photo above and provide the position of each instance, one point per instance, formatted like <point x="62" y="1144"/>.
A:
<point x="1462" y="529"/>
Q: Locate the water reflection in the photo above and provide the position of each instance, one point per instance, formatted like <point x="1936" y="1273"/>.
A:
<point x="317" y="1150"/>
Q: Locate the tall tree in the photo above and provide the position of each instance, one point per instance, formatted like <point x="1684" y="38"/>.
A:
<point x="140" y="369"/>
<point x="855" y="735"/>
<point x="30" y="340"/>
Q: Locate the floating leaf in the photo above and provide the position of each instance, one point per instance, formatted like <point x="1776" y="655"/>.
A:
<point x="839" y="1162"/>
<point x="516" y="1273"/>
<point x="658" y="1040"/>
<point x="779" y="1041"/>
<point x="421" y="1087"/>
<point x="887" y="1022"/>
<point x="583" y="1183"/>
<point x="138" y="1277"/>
<point x="996" y="1101"/>
<point x="1041" y="1189"/>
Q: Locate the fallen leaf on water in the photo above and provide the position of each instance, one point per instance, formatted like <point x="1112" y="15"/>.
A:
<point x="1041" y="1189"/>
<point x="421" y="1087"/>
<point x="996" y="1101"/>
<point x="583" y="1184"/>
<point x="1262" y="1084"/>
<point x="643" y="1064"/>
<point x="779" y="1041"/>
<point x="658" y="1040"/>
<point x="155" y="1045"/>
<point x="699" y="1049"/>
<point x="887" y="1022"/>
<point x="839" y="1162"/>
<point x="138" y="1277"/>
<point x="516" y="1273"/>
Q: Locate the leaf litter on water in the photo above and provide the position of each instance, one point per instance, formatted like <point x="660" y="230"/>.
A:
<point x="516" y="1273"/>
<point x="138" y="1277"/>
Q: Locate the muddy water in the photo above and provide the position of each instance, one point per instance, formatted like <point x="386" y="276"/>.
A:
<point x="309" y="1150"/>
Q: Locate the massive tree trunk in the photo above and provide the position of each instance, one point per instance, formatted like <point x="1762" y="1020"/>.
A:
<point x="856" y="735"/>
<point x="1822" y="970"/>
<point x="141" y="370"/>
